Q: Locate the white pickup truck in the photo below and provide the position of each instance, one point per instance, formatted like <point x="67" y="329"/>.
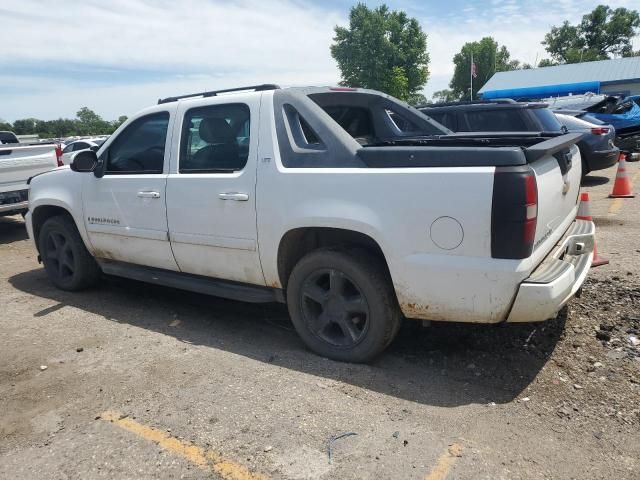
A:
<point x="18" y="163"/>
<point x="353" y="208"/>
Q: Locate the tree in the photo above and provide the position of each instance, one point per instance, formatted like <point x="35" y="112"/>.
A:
<point x="488" y="57"/>
<point x="383" y="50"/>
<point x="415" y="99"/>
<point x="116" y="123"/>
<point x="601" y="34"/>
<point x="442" y="96"/>
<point x="86" y="123"/>
<point x="91" y="123"/>
<point x="25" y="126"/>
<point x="546" y="62"/>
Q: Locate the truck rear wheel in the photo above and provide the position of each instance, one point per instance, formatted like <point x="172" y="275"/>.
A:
<point x="66" y="260"/>
<point x="342" y="304"/>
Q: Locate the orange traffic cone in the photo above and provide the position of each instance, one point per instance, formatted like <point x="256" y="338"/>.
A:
<point x="622" y="185"/>
<point x="585" y="214"/>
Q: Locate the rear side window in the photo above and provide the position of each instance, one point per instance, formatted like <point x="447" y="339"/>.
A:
<point x="139" y="148"/>
<point x="401" y="123"/>
<point x="499" y="120"/>
<point x="8" y="137"/>
<point x="215" y="139"/>
<point x="302" y="134"/>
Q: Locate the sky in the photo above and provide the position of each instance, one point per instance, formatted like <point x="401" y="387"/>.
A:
<point x="119" y="56"/>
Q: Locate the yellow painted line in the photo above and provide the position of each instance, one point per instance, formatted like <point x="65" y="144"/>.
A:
<point x="616" y="205"/>
<point x="207" y="460"/>
<point x="445" y="462"/>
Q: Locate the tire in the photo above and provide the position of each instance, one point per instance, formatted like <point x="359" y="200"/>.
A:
<point x="585" y="169"/>
<point x="342" y="304"/>
<point x="66" y="260"/>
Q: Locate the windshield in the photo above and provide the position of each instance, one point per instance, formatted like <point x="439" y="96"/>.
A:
<point x="573" y="123"/>
<point x="547" y="119"/>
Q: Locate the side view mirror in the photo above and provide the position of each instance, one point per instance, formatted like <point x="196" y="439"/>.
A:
<point x="94" y="148"/>
<point x="84" y="161"/>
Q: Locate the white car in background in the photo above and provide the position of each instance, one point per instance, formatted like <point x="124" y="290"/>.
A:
<point x="77" y="145"/>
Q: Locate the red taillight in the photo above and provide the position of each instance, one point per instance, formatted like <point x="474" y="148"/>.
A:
<point x="531" y="204"/>
<point x="59" y="155"/>
<point x="600" y="130"/>
<point x="514" y="214"/>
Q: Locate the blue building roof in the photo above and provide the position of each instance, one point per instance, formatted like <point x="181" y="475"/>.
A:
<point x="562" y="79"/>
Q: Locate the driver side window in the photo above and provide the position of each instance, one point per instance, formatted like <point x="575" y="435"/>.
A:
<point x="140" y="147"/>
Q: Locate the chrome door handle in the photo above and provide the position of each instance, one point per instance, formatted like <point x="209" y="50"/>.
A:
<point x="149" y="194"/>
<point x="238" y="197"/>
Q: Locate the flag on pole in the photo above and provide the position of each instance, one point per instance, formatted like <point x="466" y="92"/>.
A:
<point x="474" y="70"/>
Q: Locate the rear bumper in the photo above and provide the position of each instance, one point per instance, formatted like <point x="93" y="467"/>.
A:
<point x="14" y="201"/>
<point x="14" y="207"/>
<point x="600" y="160"/>
<point x="558" y="278"/>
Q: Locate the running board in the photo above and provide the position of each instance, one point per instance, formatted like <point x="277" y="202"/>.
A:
<point x="193" y="283"/>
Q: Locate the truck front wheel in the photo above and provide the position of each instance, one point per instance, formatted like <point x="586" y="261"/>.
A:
<point x="342" y="304"/>
<point x="66" y="260"/>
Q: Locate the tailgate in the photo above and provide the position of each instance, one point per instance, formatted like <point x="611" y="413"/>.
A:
<point x="558" y="168"/>
<point x="19" y="163"/>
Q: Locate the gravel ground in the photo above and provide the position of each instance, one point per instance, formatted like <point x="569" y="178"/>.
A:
<point x="552" y="400"/>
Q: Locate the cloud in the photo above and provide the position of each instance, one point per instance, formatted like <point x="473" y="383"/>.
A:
<point x="119" y="56"/>
<point x="186" y="44"/>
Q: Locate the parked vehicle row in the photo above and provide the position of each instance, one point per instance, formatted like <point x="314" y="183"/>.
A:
<point x="623" y="113"/>
<point x="77" y="145"/>
<point x="18" y="163"/>
<point x="353" y="208"/>
<point x="597" y="148"/>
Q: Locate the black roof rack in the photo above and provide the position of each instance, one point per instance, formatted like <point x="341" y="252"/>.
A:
<point x="468" y="102"/>
<point x="213" y="93"/>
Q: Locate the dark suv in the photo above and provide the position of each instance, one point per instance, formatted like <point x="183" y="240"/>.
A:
<point x="596" y="148"/>
<point x="494" y="116"/>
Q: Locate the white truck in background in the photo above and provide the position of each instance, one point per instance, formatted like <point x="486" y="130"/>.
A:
<point x="18" y="163"/>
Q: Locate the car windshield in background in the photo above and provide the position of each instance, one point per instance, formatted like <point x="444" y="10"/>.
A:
<point x="547" y="119"/>
<point x="573" y="123"/>
<point x="588" y="118"/>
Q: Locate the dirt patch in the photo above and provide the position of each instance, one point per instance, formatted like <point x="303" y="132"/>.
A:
<point x="594" y="372"/>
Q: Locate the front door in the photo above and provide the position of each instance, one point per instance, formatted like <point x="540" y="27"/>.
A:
<point x="125" y="210"/>
<point x="211" y="189"/>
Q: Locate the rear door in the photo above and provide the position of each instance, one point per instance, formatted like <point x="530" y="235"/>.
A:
<point x="211" y="202"/>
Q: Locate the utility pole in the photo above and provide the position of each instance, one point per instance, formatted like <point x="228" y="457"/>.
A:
<point x="471" y="77"/>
